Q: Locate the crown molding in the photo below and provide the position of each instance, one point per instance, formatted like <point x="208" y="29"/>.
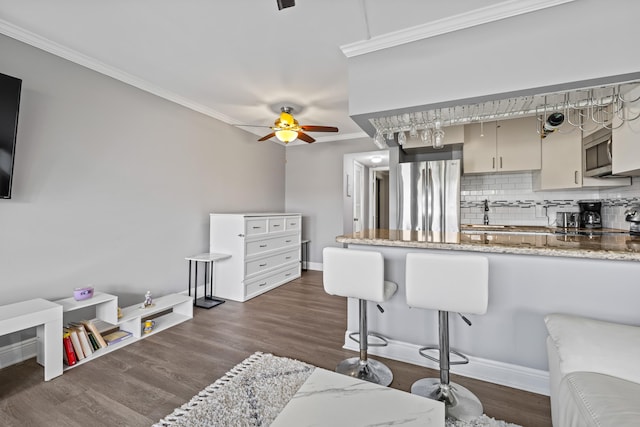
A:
<point x="450" y="24"/>
<point x="25" y="36"/>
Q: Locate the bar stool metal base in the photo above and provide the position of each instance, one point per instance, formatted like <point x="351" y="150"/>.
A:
<point x="367" y="370"/>
<point x="460" y="403"/>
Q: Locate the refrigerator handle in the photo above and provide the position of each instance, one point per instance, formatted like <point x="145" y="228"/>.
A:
<point x="428" y="193"/>
<point x="399" y="200"/>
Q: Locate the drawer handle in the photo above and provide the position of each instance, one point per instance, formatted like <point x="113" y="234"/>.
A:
<point x="276" y="225"/>
<point x="287" y="241"/>
<point x="263" y="284"/>
<point x="293" y="223"/>
<point x="288" y="257"/>
<point x="263" y="246"/>
<point x="255" y="227"/>
<point x="288" y="274"/>
<point x="263" y="265"/>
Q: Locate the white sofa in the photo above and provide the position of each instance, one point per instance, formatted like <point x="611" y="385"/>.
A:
<point x="594" y="370"/>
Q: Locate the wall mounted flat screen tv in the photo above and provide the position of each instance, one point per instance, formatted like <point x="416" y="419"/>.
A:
<point x="9" y="105"/>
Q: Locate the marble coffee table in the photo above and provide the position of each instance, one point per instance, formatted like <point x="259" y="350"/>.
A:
<point x="330" y="399"/>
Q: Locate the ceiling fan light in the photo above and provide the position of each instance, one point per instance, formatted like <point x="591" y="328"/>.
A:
<point x="286" y="118"/>
<point x="286" y="136"/>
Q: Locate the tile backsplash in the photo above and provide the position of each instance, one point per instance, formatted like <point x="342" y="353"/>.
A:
<point x="512" y="200"/>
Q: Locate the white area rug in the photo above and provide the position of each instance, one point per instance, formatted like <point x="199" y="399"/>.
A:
<point x="254" y="392"/>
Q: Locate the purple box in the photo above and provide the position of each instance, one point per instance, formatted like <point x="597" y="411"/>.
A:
<point x="80" y="294"/>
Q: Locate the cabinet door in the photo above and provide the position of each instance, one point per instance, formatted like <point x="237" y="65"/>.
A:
<point x="562" y="159"/>
<point x="479" y="149"/>
<point x="626" y="140"/>
<point x="518" y="145"/>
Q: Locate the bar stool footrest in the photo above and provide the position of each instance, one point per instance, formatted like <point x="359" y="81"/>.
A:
<point x="384" y="342"/>
<point x="464" y="358"/>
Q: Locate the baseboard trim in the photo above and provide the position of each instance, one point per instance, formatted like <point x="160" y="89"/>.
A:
<point x="18" y="352"/>
<point x="315" y="266"/>
<point x="199" y="291"/>
<point x="520" y="377"/>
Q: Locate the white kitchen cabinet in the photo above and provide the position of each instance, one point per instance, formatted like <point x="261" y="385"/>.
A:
<point x="503" y="146"/>
<point x="264" y="248"/>
<point x="562" y="163"/>
<point x="561" y="160"/>
<point x="626" y="140"/>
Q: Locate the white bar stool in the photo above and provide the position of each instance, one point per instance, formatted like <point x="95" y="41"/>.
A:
<point x="458" y="283"/>
<point x="359" y="274"/>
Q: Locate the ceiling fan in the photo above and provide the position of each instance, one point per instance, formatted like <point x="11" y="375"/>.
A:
<point x="287" y="129"/>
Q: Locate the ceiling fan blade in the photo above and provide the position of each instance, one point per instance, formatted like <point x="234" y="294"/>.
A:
<point x="282" y="4"/>
<point x="251" y="126"/>
<point x="303" y="136"/>
<point x="311" y="128"/>
<point x="264" y="138"/>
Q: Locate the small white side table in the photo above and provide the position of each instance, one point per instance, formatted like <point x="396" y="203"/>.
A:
<point x="208" y="301"/>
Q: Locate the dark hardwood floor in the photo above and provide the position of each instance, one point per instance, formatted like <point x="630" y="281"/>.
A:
<point x="141" y="383"/>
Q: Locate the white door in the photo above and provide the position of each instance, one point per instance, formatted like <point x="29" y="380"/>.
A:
<point x="358" y="191"/>
<point x="373" y="200"/>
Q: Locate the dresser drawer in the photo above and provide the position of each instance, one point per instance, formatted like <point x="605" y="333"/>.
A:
<point x="292" y="223"/>
<point x="256" y="226"/>
<point x="276" y="225"/>
<point x="264" y="245"/>
<point x="260" y="285"/>
<point x="260" y="265"/>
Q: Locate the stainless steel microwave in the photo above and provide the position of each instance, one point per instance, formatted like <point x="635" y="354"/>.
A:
<point x="597" y="153"/>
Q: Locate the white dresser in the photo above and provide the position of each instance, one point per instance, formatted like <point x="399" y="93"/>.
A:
<point x="264" y="248"/>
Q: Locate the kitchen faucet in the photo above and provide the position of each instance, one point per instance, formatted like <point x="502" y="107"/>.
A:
<point x="486" y="210"/>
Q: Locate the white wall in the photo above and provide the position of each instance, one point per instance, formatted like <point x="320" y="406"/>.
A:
<point x="314" y="187"/>
<point x="113" y="185"/>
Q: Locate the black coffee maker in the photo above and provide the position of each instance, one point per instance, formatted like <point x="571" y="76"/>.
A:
<point x="590" y="213"/>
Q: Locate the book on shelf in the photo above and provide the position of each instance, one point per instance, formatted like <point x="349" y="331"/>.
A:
<point x="91" y="327"/>
<point x="68" y="353"/>
<point x="93" y="341"/>
<point x="75" y="342"/>
<point x="87" y="348"/>
<point x="117" y="336"/>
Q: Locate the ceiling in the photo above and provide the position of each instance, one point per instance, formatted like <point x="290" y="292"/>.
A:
<point x="236" y="60"/>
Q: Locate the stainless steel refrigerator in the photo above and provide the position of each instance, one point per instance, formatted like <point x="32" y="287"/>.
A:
<point x="429" y="195"/>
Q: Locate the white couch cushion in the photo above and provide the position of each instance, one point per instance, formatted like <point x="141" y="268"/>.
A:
<point x="595" y="346"/>
<point x="587" y="399"/>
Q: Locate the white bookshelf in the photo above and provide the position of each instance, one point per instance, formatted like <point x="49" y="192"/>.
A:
<point x="166" y="311"/>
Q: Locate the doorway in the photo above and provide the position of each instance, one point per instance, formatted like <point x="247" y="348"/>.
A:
<point x="379" y="197"/>
<point x="367" y="193"/>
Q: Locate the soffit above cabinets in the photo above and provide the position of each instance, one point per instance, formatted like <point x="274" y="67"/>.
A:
<point x="602" y="98"/>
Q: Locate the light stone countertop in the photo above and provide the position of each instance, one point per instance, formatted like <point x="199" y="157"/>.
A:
<point x="616" y="246"/>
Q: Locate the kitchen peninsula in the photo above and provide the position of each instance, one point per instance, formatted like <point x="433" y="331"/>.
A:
<point x="531" y="274"/>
